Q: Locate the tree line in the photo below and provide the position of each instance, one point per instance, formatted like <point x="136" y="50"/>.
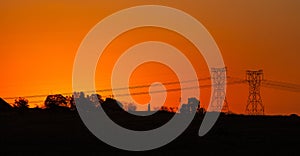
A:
<point x="92" y="101"/>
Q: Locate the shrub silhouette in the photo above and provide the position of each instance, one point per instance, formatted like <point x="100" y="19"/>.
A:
<point x="55" y="101"/>
<point x="21" y="103"/>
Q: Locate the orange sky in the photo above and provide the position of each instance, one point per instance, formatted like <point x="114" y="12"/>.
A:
<point x="39" y="40"/>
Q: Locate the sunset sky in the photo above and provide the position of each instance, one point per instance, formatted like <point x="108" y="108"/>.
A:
<point x="39" y="41"/>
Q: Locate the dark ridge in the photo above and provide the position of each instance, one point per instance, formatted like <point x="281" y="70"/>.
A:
<point x="114" y="110"/>
<point x="4" y="106"/>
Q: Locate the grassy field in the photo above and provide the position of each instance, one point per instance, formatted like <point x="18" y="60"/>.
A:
<point x="50" y="132"/>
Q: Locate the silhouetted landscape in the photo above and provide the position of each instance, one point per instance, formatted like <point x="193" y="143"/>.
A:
<point x="59" y="130"/>
<point x="66" y="63"/>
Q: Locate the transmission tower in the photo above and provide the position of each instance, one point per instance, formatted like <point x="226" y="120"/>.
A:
<point x="219" y="94"/>
<point x="254" y="104"/>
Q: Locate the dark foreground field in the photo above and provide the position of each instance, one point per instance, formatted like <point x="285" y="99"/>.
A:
<point x="61" y="133"/>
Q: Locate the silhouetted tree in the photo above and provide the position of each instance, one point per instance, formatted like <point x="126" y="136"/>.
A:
<point x="70" y="102"/>
<point x="294" y="115"/>
<point x="55" y="101"/>
<point x="184" y="109"/>
<point x="21" y="103"/>
<point x="201" y="110"/>
<point x="164" y="109"/>
<point x="83" y="102"/>
<point x="131" y="107"/>
<point x="191" y="107"/>
<point x="96" y="99"/>
<point x="193" y="104"/>
<point x="173" y="109"/>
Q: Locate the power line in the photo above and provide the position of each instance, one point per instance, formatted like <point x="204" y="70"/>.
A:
<point x="122" y="88"/>
<point x="281" y="85"/>
<point x="230" y="81"/>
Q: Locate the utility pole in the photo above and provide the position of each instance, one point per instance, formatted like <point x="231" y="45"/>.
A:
<point x="254" y="103"/>
<point x="149" y="108"/>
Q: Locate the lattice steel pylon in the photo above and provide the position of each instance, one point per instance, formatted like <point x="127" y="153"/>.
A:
<point x="254" y="103"/>
<point x="219" y="102"/>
